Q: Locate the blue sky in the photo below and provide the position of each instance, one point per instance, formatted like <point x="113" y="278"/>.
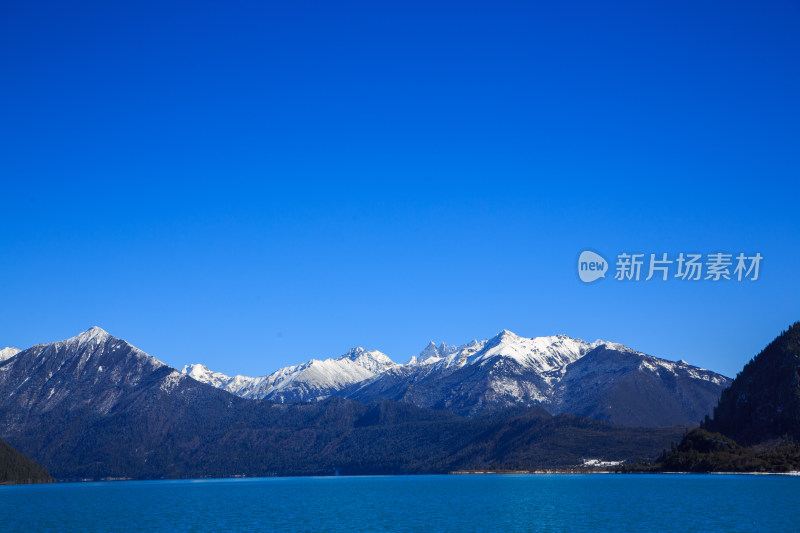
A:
<point x="253" y="185"/>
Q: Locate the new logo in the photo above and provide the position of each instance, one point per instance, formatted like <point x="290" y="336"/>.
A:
<point x="591" y="266"/>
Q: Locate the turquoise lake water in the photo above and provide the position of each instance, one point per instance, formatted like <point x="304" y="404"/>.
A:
<point x="412" y="503"/>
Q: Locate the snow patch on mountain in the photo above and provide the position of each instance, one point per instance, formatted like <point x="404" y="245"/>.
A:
<point x="171" y="381"/>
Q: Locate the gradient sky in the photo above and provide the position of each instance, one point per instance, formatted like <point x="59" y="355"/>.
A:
<point x="253" y="184"/>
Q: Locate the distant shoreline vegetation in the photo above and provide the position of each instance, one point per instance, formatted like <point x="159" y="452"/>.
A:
<point x="536" y="472"/>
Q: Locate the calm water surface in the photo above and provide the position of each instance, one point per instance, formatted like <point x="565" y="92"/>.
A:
<point x="412" y="503"/>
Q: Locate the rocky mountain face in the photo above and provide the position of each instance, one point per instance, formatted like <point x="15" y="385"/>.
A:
<point x="92" y="368"/>
<point x="601" y="380"/>
<point x="622" y="386"/>
<point x="94" y="406"/>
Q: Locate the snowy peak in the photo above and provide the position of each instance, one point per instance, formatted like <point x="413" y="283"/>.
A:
<point x="91" y="339"/>
<point x="431" y="351"/>
<point x="95" y="342"/>
<point x="92" y="367"/>
<point x="444" y="355"/>
<point x="203" y="374"/>
<point x="507" y="335"/>
<point x="373" y="360"/>
<point x="543" y="354"/>
<point x="8" y="353"/>
<point x="196" y="370"/>
<point x="94" y="333"/>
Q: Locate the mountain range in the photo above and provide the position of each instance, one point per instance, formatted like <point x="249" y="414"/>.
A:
<point x="96" y="407"/>
<point x="601" y="380"/>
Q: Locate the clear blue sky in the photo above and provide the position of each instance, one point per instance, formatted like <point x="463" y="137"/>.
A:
<point x="253" y="184"/>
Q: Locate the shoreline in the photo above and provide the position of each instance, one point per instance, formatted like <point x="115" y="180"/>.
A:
<point x="541" y="472"/>
<point x="580" y="472"/>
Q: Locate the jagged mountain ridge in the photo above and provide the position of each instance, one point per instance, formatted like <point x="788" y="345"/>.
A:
<point x="316" y="379"/>
<point x="311" y="381"/>
<point x="602" y="380"/>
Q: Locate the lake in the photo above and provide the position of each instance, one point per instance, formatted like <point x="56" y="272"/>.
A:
<point x="412" y="503"/>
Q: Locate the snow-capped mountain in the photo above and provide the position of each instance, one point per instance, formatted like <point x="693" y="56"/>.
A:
<point x="7" y="353"/>
<point x="92" y="367"/>
<point x="616" y="384"/>
<point x="546" y="355"/>
<point x="94" y="405"/>
<point x="602" y="380"/>
<point x="311" y="381"/>
<point x="504" y="371"/>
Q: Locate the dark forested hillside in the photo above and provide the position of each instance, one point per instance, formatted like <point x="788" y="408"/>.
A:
<point x="763" y="402"/>
<point x="257" y="438"/>
<point x="17" y="468"/>
<point x="756" y="424"/>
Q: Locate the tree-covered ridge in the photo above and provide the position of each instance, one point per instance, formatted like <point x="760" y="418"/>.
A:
<point x="756" y="424"/>
<point x="763" y="402"/>
<point x="17" y="468"/>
